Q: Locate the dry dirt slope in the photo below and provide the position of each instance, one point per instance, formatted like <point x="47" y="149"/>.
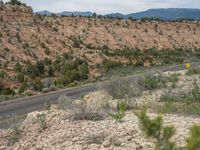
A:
<point x="24" y="36"/>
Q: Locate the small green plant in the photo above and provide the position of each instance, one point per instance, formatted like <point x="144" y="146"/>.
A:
<point x="77" y="41"/>
<point x="37" y="85"/>
<point x="109" y="64"/>
<point x="193" y="142"/>
<point x="154" y="128"/>
<point x="47" y="51"/>
<point x="15" y="133"/>
<point x="41" y="119"/>
<point x="20" y="77"/>
<point x="122" y="106"/>
<point x="173" y="78"/>
<point x="194" y="94"/>
<point x="180" y="103"/>
<point x="178" y="108"/>
<point x="151" y="81"/>
<point x="168" y="98"/>
<point x="18" y="67"/>
<point x="193" y="71"/>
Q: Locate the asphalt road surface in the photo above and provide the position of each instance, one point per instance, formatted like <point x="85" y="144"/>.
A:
<point x="29" y="104"/>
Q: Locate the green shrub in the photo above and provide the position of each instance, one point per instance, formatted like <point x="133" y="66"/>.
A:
<point x="193" y="142"/>
<point x="88" y="110"/>
<point x="68" y="78"/>
<point x="23" y="88"/>
<point x="83" y="72"/>
<point x="168" y="98"/>
<point x="77" y="41"/>
<point x="69" y="66"/>
<point x="15" y="133"/>
<point x="40" y="67"/>
<point x="37" y="85"/>
<point x="47" y="51"/>
<point x="109" y="64"/>
<point x="67" y="56"/>
<point x="41" y="119"/>
<point x="20" y="77"/>
<point x="7" y="91"/>
<point x="191" y="96"/>
<point x="15" y="2"/>
<point x="50" y="70"/>
<point x="3" y="75"/>
<point x="30" y="70"/>
<point x="193" y="71"/>
<point x="154" y="128"/>
<point x="18" y="67"/>
<point x="122" y="106"/>
<point x="120" y="89"/>
<point x="73" y="71"/>
<point x="194" y="94"/>
<point x="178" y="108"/>
<point x="151" y="81"/>
<point x="47" y="61"/>
<point x="35" y="70"/>
<point x="173" y="78"/>
<point x="5" y="98"/>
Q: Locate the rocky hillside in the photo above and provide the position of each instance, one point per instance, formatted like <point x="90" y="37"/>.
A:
<point x="26" y="38"/>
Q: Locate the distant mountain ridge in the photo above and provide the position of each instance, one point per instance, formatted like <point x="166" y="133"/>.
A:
<point x="164" y="14"/>
<point x="65" y="13"/>
<point x="168" y="14"/>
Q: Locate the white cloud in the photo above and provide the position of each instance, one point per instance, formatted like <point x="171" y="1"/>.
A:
<point x="109" y="6"/>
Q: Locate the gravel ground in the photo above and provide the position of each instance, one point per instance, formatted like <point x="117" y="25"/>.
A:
<point x="63" y="133"/>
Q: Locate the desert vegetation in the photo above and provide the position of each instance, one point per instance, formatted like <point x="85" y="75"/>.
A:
<point x="46" y="48"/>
<point x="156" y="111"/>
<point x="154" y="128"/>
<point x="152" y="111"/>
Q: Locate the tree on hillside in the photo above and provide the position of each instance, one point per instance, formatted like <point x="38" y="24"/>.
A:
<point x="1" y="2"/>
<point x="2" y="77"/>
<point x="15" y="2"/>
<point x="94" y="15"/>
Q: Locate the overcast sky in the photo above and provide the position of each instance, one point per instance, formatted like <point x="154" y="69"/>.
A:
<point x="109" y="6"/>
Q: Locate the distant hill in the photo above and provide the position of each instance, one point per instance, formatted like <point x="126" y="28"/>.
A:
<point x="168" y="14"/>
<point x="164" y="14"/>
<point x="115" y="15"/>
<point x="45" y="12"/>
<point x="65" y="13"/>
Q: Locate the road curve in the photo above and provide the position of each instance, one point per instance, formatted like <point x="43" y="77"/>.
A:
<point x="29" y="104"/>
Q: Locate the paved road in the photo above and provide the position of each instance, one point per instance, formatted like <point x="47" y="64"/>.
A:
<point x="28" y="104"/>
